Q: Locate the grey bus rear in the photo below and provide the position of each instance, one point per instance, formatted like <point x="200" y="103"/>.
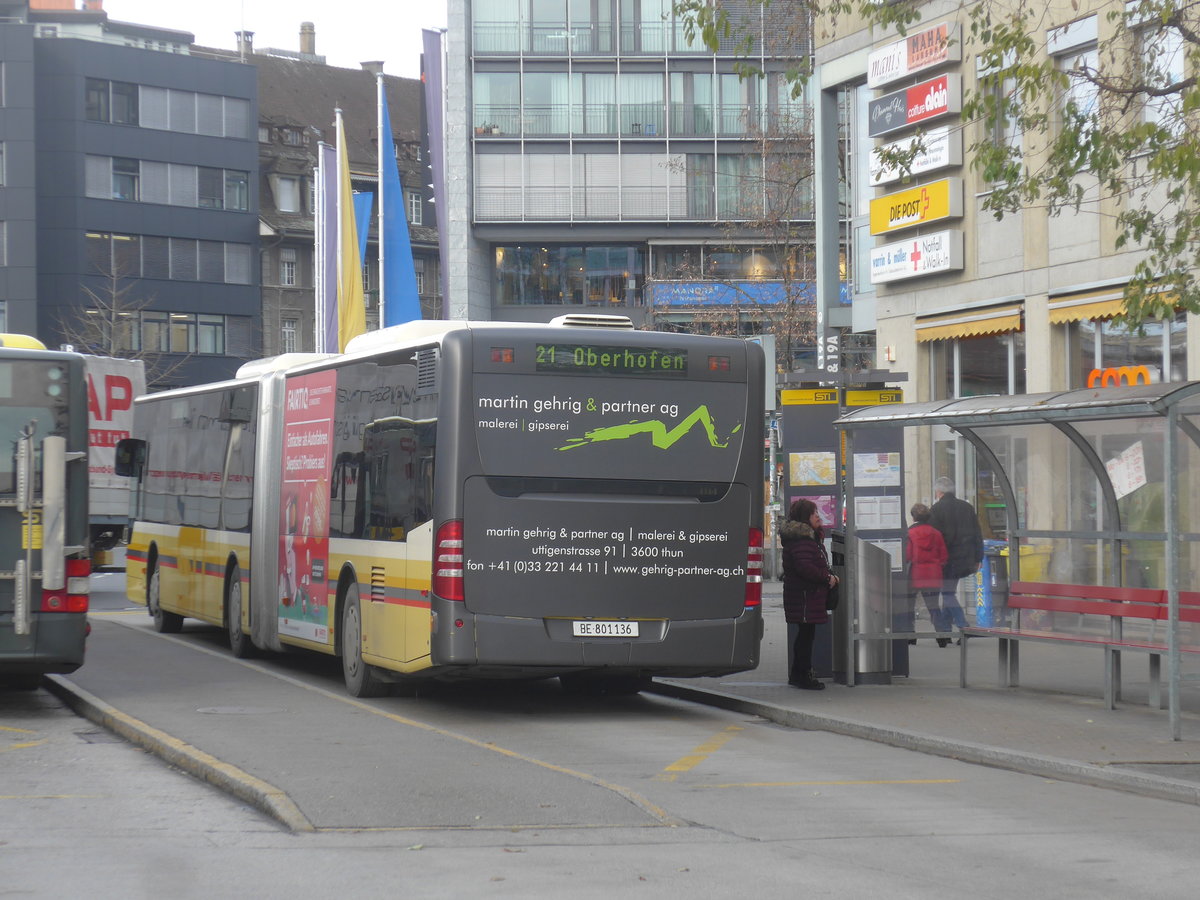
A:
<point x="599" y="499"/>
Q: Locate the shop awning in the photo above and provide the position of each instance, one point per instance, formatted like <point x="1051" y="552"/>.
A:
<point x="970" y="323"/>
<point x="1103" y="303"/>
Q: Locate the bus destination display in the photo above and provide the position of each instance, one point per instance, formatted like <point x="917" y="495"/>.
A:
<point x="596" y="359"/>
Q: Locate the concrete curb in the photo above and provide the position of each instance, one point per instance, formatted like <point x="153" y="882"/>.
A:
<point x="254" y="791"/>
<point x="965" y="751"/>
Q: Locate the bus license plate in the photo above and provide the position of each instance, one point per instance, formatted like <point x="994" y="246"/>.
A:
<point x="605" y="629"/>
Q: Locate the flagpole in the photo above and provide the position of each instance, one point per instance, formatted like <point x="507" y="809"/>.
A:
<point x="381" y="148"/>
<point x="340" y="203"/>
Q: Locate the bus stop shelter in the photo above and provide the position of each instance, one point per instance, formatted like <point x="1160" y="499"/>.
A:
<point x="1098" y="487"/>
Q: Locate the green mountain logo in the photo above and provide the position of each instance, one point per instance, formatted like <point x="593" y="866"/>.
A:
<point x="662" y="437"/>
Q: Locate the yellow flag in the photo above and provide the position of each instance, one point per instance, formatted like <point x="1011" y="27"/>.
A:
<point x="352" y="314"/>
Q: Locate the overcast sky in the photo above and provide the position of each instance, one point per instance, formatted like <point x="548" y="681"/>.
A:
<point x="348" y="31"/>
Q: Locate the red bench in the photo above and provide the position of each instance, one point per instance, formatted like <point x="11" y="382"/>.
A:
<point x="1029" y="601"/>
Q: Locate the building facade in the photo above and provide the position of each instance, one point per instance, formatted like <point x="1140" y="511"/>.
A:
<point x="604" y="162"/>
<point x="129" y="193"/>
<point x="962" y="302"/>
<point x="298" y="96"/>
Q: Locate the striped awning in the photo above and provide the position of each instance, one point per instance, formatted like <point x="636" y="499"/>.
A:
<point x="970" y="323"/>
<point x="1103" y="303"/>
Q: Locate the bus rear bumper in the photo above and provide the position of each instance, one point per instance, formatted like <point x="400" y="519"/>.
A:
<point x="55" y="644"/>
<point x="683" y="648"/>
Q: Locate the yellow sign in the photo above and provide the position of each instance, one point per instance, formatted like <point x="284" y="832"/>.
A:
<point x="917" y="206"/>
<point x="808" y="397"/>
<point x="37" y="530"/>
<point x="874" y="398"/>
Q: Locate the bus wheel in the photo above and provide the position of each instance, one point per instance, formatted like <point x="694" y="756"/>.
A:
<point x="164" y="622"/>
<point x="361" y="680"/>
<point x="240" y="644"/>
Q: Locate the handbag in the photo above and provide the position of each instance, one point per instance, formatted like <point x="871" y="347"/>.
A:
<point x="833" y="597"/>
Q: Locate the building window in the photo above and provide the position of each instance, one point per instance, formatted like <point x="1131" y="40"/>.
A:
<point x="293" y="137"/>
<point x="975" y="366"/>
<point x="3" y="244"/>
<point x="125" y="174"/>
<point x="1163" y="55"/>
<point x="115" y="102"/>
<point x="210" y="188"/>
<point x="419" y="271"/>
<point x="124" y="103"/>
<point x="96" y="101"/>
<point x="1155" y="352"/>
<point x="264" y="134"/>
<point x="288" y="335"/>
<point x="287" y="267"/>
<point x="237" y="190"/>
<point x="1" y="163"/>
<point x="1075" y="53"/>
<point x="287" y="193"/>
<point x="3" y="303"/>
<point x="210" y="334"/>
<point x="578" y="275"/>
<point x="415" y="208"/>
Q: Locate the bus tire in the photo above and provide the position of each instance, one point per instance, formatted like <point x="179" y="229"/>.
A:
<point x="240" y="644"/>
<point x="164" y="622"/>
<point x="361" y="680"/>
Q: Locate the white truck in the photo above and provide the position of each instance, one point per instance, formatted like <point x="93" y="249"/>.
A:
<point x="112" y="385"/>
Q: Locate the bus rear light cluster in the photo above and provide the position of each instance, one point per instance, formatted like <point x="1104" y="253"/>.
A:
<point x="754" y="567"/>
<point x="448" y="561"/>
<point x="75" y="598"/>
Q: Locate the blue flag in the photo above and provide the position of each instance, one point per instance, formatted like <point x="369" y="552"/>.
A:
<point x="398" y="278"/>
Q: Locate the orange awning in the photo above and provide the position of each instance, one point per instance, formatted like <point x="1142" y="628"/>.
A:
<point x="1103" y="303"/>
<point x="970" y="323"/>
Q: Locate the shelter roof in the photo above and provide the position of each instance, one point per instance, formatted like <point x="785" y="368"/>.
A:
<point x="1124" y="402"/>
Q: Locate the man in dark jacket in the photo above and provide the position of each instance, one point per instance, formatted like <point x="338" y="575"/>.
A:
<point x="959" y="525"/>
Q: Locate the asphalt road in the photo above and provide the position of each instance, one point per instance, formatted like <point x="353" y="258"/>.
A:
<point x="522" y="791"/>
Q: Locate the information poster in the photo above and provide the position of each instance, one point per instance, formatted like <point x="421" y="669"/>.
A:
<point x="826" y="506"/>
<point x="304" y="506"/>
<point x="876" y="470"/>
<point x="877" y="513"/>
<point x="1128" y="470"/>
<point x="812" y="468"/>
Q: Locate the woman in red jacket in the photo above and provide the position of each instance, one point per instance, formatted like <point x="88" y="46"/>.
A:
<point x="926" y="553"/>
<point x="807" y="581"/>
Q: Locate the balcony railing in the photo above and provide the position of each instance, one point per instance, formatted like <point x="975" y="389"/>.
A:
<point x="635" y="120"/>
<point x="580" y="39"/>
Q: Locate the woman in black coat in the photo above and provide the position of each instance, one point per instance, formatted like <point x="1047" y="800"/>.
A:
<point x="807" y="581"/>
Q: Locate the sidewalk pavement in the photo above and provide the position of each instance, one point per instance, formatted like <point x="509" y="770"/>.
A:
<point x="1055" y="725"/>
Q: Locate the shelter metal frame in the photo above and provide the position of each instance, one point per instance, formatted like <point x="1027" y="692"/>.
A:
<point x="1176" y="404"/>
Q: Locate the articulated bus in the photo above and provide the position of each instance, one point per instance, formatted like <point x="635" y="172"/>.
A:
<point x="43" y="511"/>
<point x="452" y="500"/>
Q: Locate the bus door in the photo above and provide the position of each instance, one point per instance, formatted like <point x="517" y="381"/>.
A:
<point x="395" y="483"/>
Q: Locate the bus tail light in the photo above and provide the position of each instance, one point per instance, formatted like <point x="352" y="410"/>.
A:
<point x="754" y="566"/>
<point x="448" y="561"/>
<point x="75" y="598"/>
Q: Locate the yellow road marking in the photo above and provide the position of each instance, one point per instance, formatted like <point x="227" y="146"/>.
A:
<point x="25" y="745"/>
<point x="772" y="784"/>
<point x="699" y="755"/>
<point x="642" y="803"/>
